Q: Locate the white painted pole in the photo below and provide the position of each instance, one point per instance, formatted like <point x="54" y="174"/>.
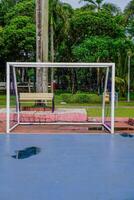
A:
<point x="16" y="93"/>
<point x="59" y="65"/>
<point x="104" y="95"/>
<point x="128" y="95"/>
<point x="8" y="99"/>
<point x="113" y="100"/>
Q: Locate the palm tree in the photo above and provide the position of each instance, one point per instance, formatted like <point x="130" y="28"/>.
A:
<point x="59" y="12"/>
<point x="111" y="8"/>
<point x="42" y="7"/>
<point x="99" y="5"/>
<point x="45" y="39"/>
<point x="129" y="10"/>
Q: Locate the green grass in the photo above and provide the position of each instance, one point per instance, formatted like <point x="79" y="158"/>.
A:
<point x="124" y="109"/>
<point x="58" y="100"/>
<point x="125" y="103"/>
<point x="3" y="101"/>
<point x="119" y="112"/>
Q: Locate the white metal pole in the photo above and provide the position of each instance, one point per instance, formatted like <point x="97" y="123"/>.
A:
<point x="8" y="100"/>
<point x="16" y="93"/>
<point x="113" y="100"/>
<point x="104" y="95"/>
<point x="128" y="95"/>
<point x="59" y="64"/>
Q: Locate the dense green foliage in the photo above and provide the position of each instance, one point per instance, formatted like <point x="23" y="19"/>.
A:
<point x="18" y="34"/>
<point x="97" y="32"/>
<point x="80" y="98"/>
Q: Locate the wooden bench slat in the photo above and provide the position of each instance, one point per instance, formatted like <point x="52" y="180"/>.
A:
<point x="37" y="97"/>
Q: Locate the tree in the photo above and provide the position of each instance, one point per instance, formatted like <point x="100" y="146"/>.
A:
<point x="57" y="16"/>
<point x="22" y="8"/>
<point x="99" y="37"/>
<point x="105" y="49"/>
<point x="94" y="49"/>
<point x="129" y="16"/>
<point x="2" y="69"/>
<point x="45" y="41"/>
<point x="60" y="14"/>
<point x="59" y="23"/>
<point x="1" y="42"/>
<point x="97" y="32"/>
<point x="129" y="10"/>
<point x="85" y="24"/>
<point x="19" y="32"/>
<point x="97" y="4"/>
<point x="42" y="10"/>
<point x="5" y="6"/>
<point x="19" y="39"/>
<point x="111" y="8"/>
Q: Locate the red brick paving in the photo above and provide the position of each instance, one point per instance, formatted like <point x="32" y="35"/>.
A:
<point x="54" y="129"/>
<point x="60" y="129"/>
<point x="2" y="127"/>
<point x="121" y="126"/>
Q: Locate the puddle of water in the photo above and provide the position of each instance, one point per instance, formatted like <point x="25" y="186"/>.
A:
<point x="26" y="153"/>
<point x="126" y="135"/>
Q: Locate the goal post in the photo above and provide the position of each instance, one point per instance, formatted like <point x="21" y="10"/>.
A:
<point x="11" y="66"/>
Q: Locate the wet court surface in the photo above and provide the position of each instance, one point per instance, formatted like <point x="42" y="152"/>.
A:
<point x="66" y="167"/>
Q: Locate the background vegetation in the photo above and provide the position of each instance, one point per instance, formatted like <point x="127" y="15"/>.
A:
<point x="96" y="32"/>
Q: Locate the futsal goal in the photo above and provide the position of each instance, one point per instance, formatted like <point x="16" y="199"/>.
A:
<point x="16" y="117"/>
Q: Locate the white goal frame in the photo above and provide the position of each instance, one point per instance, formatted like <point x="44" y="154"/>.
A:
<point x="61" y="65"/>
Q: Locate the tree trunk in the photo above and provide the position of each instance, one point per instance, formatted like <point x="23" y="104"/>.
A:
<point x="38" y="45"/>
<point x="42" y="44"/>
<point x="74" y="81"/>
<point x="45" y="8"/>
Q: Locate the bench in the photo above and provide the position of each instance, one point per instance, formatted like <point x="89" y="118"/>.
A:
<point x="30" y="97"/>
<point x="2" y="85"/>
<point x="107" y="97"/>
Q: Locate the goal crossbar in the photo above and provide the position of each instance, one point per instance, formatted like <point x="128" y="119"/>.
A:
<point x="59" y="65"/>
<point x="62" y="65"/>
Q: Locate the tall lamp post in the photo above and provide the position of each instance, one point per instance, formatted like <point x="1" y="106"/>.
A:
<point x="130" y="54"/>
<point x="129" y="63"/>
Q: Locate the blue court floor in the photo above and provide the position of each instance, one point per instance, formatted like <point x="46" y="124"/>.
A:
<point x="67" y="167"/>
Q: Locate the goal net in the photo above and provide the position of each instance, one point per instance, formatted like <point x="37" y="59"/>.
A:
<point x="27" y="104"/>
